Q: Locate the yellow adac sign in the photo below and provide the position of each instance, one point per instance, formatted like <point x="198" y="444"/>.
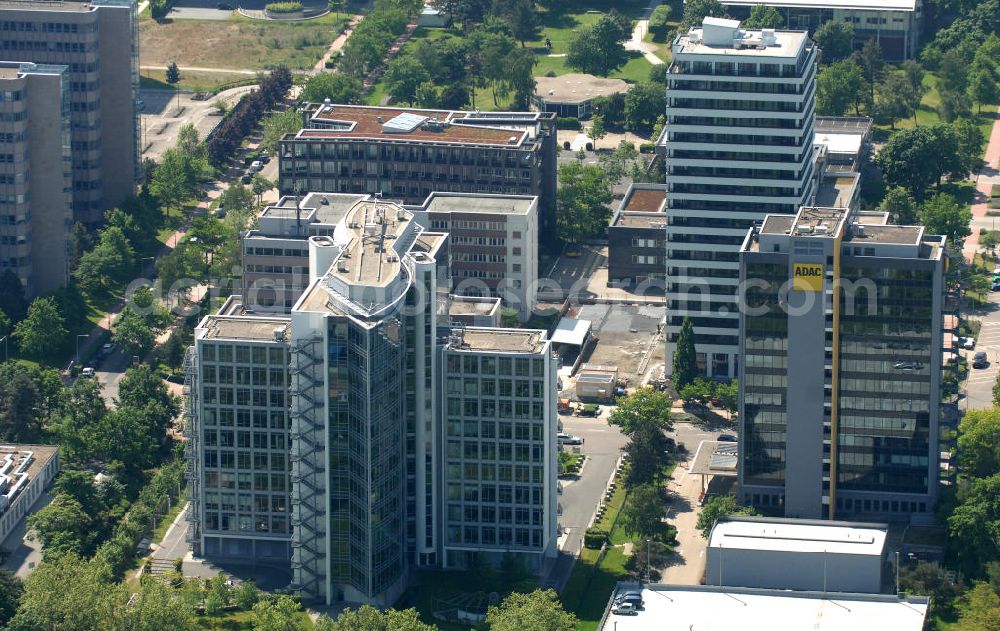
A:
<point x="807" y="277"/>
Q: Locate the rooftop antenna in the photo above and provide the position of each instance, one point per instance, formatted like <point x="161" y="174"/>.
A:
<point x="298" y="210"/>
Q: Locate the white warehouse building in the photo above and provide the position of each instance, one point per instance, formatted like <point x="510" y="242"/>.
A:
<point x="796" y="554"/>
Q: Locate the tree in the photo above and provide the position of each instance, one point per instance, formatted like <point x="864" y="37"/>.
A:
<point x="836" y="39"/>
<point x="943" y="214"/>
<point x="616" y="163"/>
<point x="699" y="392"/>
<point x="278" y="614"/>
<point x="917" y="158"/>
<point x="61" y="527"/>
<point x="68" y="593"/>
<point x="900" y="205"/>
<point x="339" y="87"/>
<point x="952" y="87"/>
<point x="983" y="89"/>
<point x="79" y="486"/>
<point x="642" y="514"/>
<point x="697" y="10"/>
<point x="972" y="526"/>
<point x="967" y="141"/>
<point x="929" y="579"/>
<point x="43" y="331"/>
<point x="659" y="22"/>
<point x="685" y="363"/>
<point x="644" y="103"/>
<point x="509" y="318"/>
<point x="402" y="78"/>
<point x="872" y="65"/>
<point x="133" y="335"/>
<point x="728" y="396"/>
<point x="581" y="210"/>
<point x="839" y="86"/>
<point x="980" y="610"/>
<point x="598" y="49"/>
<point x="170" y="184"/>
<point x="140" y="387"/>
<point x="718" y="507"/>
<point x="157" y="608"/>
<point x="895" y="99"/>
<point x="173" y="73"/>
<point x="246" y="595"/>
<point x="368" y="618"/>
<point x="520" y="16"/>
<point x="647" y="454"/>
<point x="596" y="130"/>
<point x="237" y="198"/>
<point x="643" y="407"/>
<point x="11" y="589"/>
<point x="762" y="16"/>
<point x="537" y="611"/>
<point x="281" y="123"/>
<point x="260" y="185"/>
<point x="979" y="442"/>
<point x="6" y="326"/>
<point x="108" y="265"/>
<point x="19" y="420"/>
<point x="914" y="74"/>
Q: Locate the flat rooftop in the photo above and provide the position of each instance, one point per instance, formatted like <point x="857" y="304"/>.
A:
<point x="475" y="203"/>
<point x="844" y="124"/>
<point x="903" y="235"/>
<point x="714" y="457"/>
<point x="859" y="5"/>
<point x="329" y="207"/>
<point x="407" y="125"/>
<point x="798" y="535"/>
<point x="640" y="220"/>
<point x="849" y="143"/>
<point x="576" y="88"/>
<point x="244" y="328"/>
<point x="643" y="200"/>
<point x="719" y="36"/>
<point x="711" y="608"/>
<point x="77" y="6"/>
<point x="369" y="258"/>
<point x="837" y="190"/>
<point x="498" y="340"/>
<point x="464" y="306"/>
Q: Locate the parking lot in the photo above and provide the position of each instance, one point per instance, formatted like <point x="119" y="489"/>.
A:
<point x="628" y="338"/>
<point x="164" y="112"/>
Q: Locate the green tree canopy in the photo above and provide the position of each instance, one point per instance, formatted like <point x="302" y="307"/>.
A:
<point x="581" y="204"/>
<point x="900" y="205"/>
<point x="718" y="507"/>
<point x="43" y="330"/>
<point x="643" y="407"/>
<point x="647" y="454"/>
<point x="685" y="362"/>
<point x="133" y="335"/>
<point x="659" y="22"/>
<point x="974" y="524"/>
<point x="979" y="442"/>
<point x="598" y="49"/>
<point x="339" y="87"/>
<point x="872" y="65"/>
<point x="280" y="123"/>
<point x="697" y="10"/>
<point x="642" y="513"/>
<point x="644" y="103"/>
<point x="943" y="214"/>
<point x="62" y="527"/>
<point x="368" y="618"/>
<point x="763" y="16"/>
<point x="537" y="611"/>
<point x="278" y="614"/>
<point x="918" y="158"/>
<point x="839" y="86"/>
<point x="836" y="39"/>
<point x="402" y="78"/>
<point x="108" y="265"/>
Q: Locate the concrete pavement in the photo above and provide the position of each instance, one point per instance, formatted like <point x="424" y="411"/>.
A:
<point x="24" y="555"/>
<point x="979" y="387"/>
<point x="640" y="30"/>
<point x="986" y="177"/>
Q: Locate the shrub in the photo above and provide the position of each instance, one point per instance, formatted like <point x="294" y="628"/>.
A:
<point x="566" y="145"/>
<point x="647" y="147"/>
<point x="550" y="73"/>
<point x="283" y="7"/>
<point x="590" y="146"/>
<point x="594" y="538"/>
<point x="568" y="123"/>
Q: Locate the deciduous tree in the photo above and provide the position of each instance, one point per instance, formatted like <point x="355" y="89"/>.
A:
<point x="642" y="514"/>
<point x="339" y="87"/>
<point x="598" y="49"/>
<point x="836" y="39"/>
<point x="581" y="203"/>
<point x="685" y="362"/>
<point x="697" y="10"/>
<point x="644" y="103"/>
<point x="943" y="214"/>
<point x="280" y="123"/>
<point x="368" y="618"/>
<point x="979" y="442"/>
<point x="537" y="611"/>
<point x="643" y="407"/>
<point x="718" y="507"/>
<point x="43" y="331"/>
<point x="763" y="16"/>
<point x="839" y="86"/>
<point x="900" y="205"/>
<point x="402" y="78"/>
<point x="647" y="454"/>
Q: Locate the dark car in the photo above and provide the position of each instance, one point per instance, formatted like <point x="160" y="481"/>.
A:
<point x="727" y="438"/>
<point x="247" y="178"/>
<point x="979" y="360"/>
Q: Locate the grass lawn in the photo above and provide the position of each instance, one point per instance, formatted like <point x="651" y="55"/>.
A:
<point x="190" y="80"/>
<point x="927" y="114"/>
<point x="241" y="620"/>
<point x="239" y="43"/>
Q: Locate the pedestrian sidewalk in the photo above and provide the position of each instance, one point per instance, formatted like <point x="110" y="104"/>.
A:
<point x="640" y="30"/>
<point x="986" y="177"/>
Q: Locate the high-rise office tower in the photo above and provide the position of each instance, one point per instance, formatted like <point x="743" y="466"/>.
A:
<point x="98" y="41"/>
<point x="35" y="185"/>
<point x="841" y="348"/>
<point x="371" y="415"/>
<point x="738" y="144"/>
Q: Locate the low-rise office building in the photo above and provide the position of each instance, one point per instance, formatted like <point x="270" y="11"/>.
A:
<point x="407" y="154"/>
<point x="572" y="95"/>
<point x="796" y="554"/>
<point x="841" y="342"/>
<point x="637" y="239"/>
<point x="36" y="204"/>
<point x="895" y="24"/>
<point x="25" y="472"/>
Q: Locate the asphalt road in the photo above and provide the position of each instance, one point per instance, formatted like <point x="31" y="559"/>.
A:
<point x="110" y="372"/>
<point x="979" y="387"/>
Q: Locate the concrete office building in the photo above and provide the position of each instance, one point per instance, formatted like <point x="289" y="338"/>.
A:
<point x="362" y="443"/>
<point x="796" y="554"/>
<point x="407" y="154"/>
<point x="25" y="472"/>
<point x="894" y="24"/>
<point x="492" y="248"/>
<point x="572" y="95"/>
<point x="499" y="422"/>
<point x="637" y="238"/>
<point x="847" y="424"/>
<point x="35" y="175"/>
<point x="98" y="41"/>
<point x="738" y="144"/>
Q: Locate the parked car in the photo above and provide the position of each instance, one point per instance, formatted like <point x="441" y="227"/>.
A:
<point x="87" y="372"/>
<point x="995" y="285"/>
<point x="625" y="609"/>
<point x="247" y="177"/>
<point x="265" y="156"/>
<point x="106" y="349"/>
<point x="979" y="360"/>
<point x="569" y="439"/>
<point x="256" y="166"/>
<point x="631" y="596"/>
<point x="727" y="438"/>
<point x="968" y="343"/>
<point x="996" y="271"/>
